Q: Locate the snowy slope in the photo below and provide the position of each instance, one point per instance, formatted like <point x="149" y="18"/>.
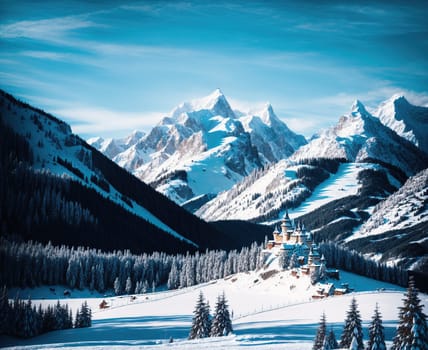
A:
<point x="403" y="209"/>
<point x="359" y="137"/>
<point x="204" y="147"/>
<point x="267" y="314"/>
<point x="397" y="228"/>
<point x="264" y="196"/>
<point x="408" y="121"/>
<point x="340" y="185"/>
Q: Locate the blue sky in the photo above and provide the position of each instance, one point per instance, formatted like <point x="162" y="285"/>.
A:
<point x="108" y="68"/>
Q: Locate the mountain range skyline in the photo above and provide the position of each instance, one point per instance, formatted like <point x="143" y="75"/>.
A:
<point x="108" y="69"/>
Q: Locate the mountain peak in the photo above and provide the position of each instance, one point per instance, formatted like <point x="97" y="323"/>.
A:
<point x="358" y="107"/>
<point x="267" y="114"/>
<point x="210" y="101"/>
<point x="398" y="96"/>
<point x="268" y="107"/>
<point x="217" y="92"/>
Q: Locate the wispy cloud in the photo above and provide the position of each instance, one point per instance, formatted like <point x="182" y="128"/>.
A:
<point x="137" y="50"/>
<point x="101" y="121"/>
<point x="305" y="126"/>
<point x="19" y="80"/>
<point x="372" y="98"/>
<point x="52" y="29"/>
<point x="246" y="106"/>
<point x="49" y="55"/>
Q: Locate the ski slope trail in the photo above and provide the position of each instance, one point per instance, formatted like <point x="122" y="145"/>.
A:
<point x="342" y="184"/>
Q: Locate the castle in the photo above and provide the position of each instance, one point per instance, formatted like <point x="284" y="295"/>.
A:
<point x="296" y="242"/>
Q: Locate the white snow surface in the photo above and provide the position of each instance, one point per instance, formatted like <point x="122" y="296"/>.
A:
<point x="342" y="184"/>
<point x="276" y="313"/>
<point x="408" y="121"/>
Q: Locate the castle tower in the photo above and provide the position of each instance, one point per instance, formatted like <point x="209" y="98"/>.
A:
<point x="286" y="227"/>
<point x="310" y="257"/>
<point x="302" y="236"/>
<point x="298" y="234"/>
<point x="276" y="235"/>
<point x="309" y="239"/>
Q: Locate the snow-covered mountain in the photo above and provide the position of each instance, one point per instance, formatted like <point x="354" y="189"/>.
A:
<point x="308" y="179"/>
<point x="360" y="137"/>
<point x="407" y="120"/>
<point x="60" y="189"/>
<point x="398" y="226"/>
<point x="204" y="147"/>
<point x="112" y="147"/>
<point x="404" y="208"/>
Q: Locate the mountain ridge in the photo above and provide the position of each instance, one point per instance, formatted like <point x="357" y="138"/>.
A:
<point x="209" y="142"/>
<point x="407" y="120"/>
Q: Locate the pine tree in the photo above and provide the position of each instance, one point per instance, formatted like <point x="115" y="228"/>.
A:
<point x="322" y="275"/>
<point x="117" y="286"/>
<point x="354" y="343"/>
<point x="78" y="319"/>
<point x="83" y="316"/>
<point x="200" y="321"/>
<point x="48" y="319"/>
<point x="208" y="316"/>
<point x="376" y="332"/>
<point x="321" y="333"/>
<point x="4" y="311"/>
<point x="60" y="316"/>
<point x="283" y="260"/>
<point x="221" y="323"/>
<point x="419" y="332"/>
<point x="293" y="261"/>
<point x="28" y="325"/>
<point x="314" y="276"/>
<point x="412" y="327"/>
<point x="128" y="286"/>
<point x="330" y="341"/>
<point x="352" y="327"/>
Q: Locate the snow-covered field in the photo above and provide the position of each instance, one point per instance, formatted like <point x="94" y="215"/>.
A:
<point x="276" y="313"/>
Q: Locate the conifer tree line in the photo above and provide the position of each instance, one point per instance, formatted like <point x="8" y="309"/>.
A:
<point x="350" y="260"/>
<point x="204" y="325"/>
<point x="22" y="319"/>
<point x="411" y="334"/>
<point x="30" y="264"/>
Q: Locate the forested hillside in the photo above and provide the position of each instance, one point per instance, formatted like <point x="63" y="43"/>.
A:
<point x="54" y="187"/>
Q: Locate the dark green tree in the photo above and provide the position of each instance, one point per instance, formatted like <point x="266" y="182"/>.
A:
<point x="352" y="328"/>
<point x="83" y="316"/>
<point x="200" y="322"/>
<point x="330" y="341"/>
<point x="412" y="330"/>
<point x="221" y="323"/>
<point x="321" y="333"/>
<point x="4" y="311"/>
<point x="376" y="332"/>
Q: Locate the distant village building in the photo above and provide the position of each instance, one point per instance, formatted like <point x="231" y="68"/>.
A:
<point x="296" y="240"/>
